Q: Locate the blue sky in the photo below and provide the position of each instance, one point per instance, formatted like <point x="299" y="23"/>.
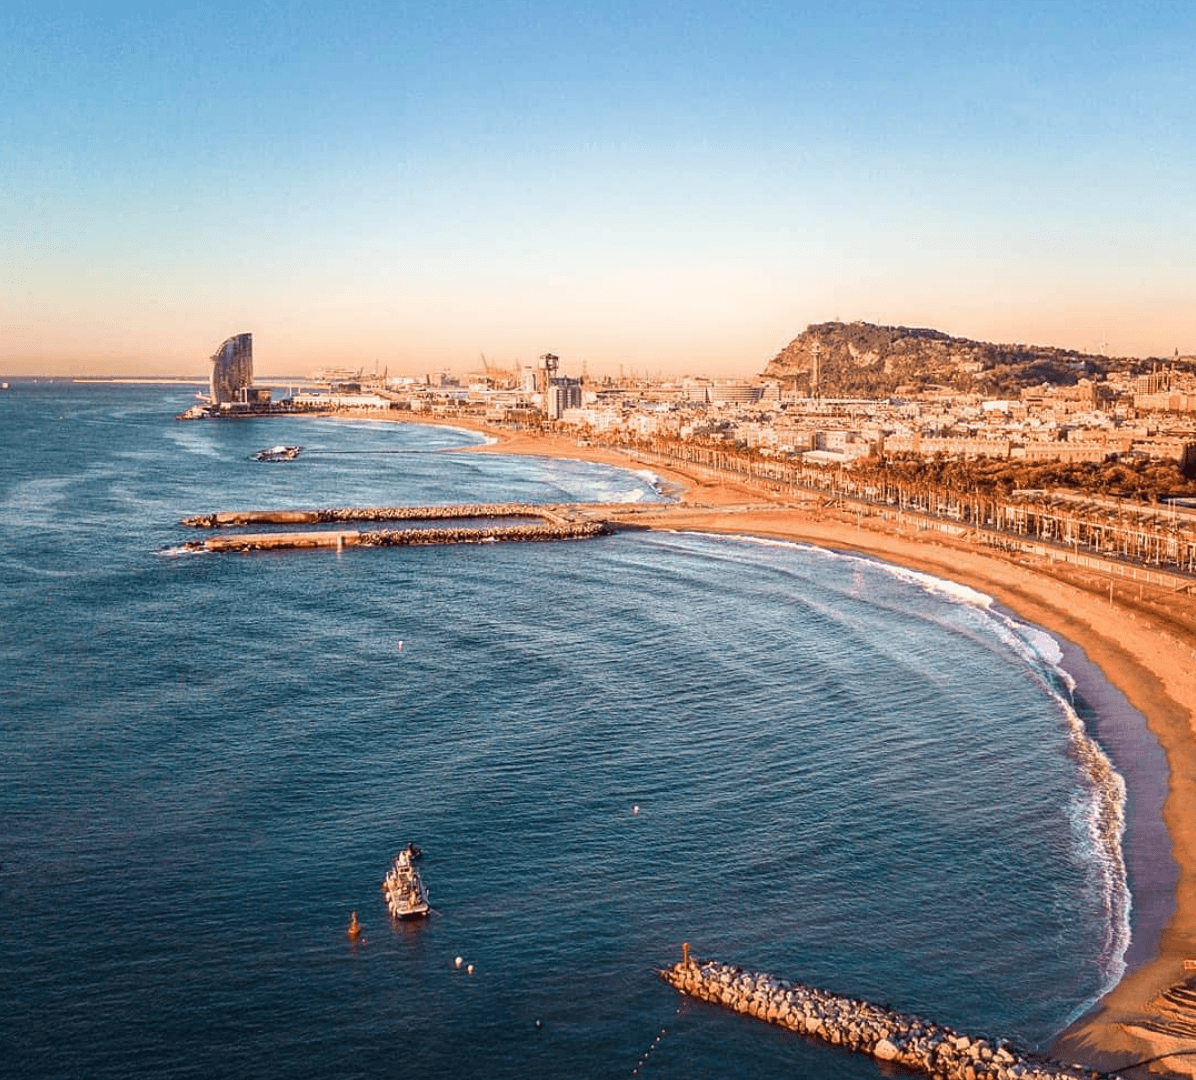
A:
<point x="663" y="186"/>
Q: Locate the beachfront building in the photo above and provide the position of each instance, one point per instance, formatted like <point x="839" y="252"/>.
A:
<point x="232" y="371"/>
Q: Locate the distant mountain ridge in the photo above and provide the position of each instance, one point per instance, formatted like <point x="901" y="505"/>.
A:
<point x="862" y="359"/>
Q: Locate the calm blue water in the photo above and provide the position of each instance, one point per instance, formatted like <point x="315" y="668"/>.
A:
<point x="846" y="775"/>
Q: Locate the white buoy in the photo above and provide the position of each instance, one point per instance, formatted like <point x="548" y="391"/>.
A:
<point x="635" y="809"/>
<point x="400" y="645"/>
<point x="458" y="962"/>
<point x="469" y="968"/>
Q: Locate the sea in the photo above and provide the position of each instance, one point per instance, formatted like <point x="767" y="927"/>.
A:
<point x="803" y="761"/>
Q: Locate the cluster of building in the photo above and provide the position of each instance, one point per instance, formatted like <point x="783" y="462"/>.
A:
<point x="1152" y="415"/>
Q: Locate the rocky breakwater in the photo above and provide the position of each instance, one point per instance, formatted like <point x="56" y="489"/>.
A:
<point x="580" y="530"/>
<point x="910" y="1041"/>
<point x="481" y="524"/>
<point x="461" y="511"/>
<point x="341" y="514"/>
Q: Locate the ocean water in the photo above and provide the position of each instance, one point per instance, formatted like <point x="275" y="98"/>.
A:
<point x="846" y="774"/>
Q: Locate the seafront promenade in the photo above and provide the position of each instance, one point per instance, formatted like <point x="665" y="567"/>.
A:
<point x="1149" y="544"/>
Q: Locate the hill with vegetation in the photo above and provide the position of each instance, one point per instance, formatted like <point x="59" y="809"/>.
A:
<point x="861" y="359"/>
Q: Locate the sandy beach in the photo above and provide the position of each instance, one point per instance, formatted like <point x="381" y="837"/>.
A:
<point x="1143" y="640"/>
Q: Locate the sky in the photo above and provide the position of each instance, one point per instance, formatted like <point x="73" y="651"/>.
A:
<point x="651" y="186"/>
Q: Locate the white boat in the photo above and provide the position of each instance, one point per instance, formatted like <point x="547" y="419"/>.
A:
<point x="278" y="453"/>
<point x="406" y="896"/>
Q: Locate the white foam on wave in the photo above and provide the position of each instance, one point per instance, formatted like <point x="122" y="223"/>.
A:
<point x="765" y="541"/>
<point x="942" y="586"/>
<point x="1099" y="812"/>
<point x="474" y="438"/>
<point x="176" y="552"/>
<point x="928" y="582"/>
<point x="635" y="495"/>
<point x="613" y="487"/>
<point x="1101" y="821"/>
<point x="1031" y="643"/>
<point x="654" y="480"/>
<point x="1038" y="647"/>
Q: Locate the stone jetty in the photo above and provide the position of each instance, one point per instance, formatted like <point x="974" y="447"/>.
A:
<point x="910" y="1041"/>
<point x="531" y="523"/>
<point x="338" y="514"/>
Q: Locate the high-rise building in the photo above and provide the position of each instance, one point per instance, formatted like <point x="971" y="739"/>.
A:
<point x="232" y="370"/>
<point x="562" y="393"/>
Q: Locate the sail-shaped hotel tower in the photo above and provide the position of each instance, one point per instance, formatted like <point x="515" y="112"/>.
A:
<point x="232" y="370"/>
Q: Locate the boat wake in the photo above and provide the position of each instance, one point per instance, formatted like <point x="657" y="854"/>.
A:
<point x="176" y="552"/>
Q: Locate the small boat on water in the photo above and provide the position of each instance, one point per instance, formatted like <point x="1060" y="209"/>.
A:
<point x="406" y="895"/>
<point x="278" y="453"/>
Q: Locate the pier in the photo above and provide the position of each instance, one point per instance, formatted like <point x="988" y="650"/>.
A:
<point x="916" y="1044"/>
<point x="525" y="523"/>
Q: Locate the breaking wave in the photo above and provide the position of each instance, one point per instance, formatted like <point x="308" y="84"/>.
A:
<point x="1098" y="811"/>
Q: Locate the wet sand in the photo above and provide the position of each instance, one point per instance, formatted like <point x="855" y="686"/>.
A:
<point x="1144" y="643"/>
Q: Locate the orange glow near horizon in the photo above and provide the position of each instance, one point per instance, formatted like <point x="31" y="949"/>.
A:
<point x="83" y="351"/>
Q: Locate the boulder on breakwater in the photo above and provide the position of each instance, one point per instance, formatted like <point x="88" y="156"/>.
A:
<point x="917" y="1044"/>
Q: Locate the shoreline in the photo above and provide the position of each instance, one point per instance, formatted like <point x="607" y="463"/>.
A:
<point x="1123" y="732"/>
<point x="1144" y="648"/>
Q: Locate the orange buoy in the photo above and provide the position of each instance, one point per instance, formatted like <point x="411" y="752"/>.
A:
<point x="354" y="927"/>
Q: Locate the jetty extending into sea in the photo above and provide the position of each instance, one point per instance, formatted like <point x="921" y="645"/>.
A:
<point x="919" y="1045"/>
<point x="475" y="523"/>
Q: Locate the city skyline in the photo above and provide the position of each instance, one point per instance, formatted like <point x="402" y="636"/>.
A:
<point x="675" y="188"/>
